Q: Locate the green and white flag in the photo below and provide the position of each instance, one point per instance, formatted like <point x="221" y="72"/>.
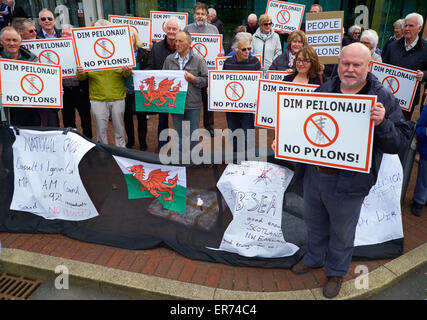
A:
<point x="160" y="91"/>
<point x="148" y="180"/>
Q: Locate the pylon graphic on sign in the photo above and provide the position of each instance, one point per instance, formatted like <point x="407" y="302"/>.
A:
<point x="320" y="137"/>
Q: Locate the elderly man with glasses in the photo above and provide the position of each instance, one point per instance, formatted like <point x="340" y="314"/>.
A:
<point x="48" y="31"/>
<point x="25" y="27"/>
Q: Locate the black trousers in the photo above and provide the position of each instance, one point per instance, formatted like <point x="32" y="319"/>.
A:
<point x="77" y="98"/>
<point x="129" y="127"/>
<point x="25" y="117"/>
<point x="208" y="116"/>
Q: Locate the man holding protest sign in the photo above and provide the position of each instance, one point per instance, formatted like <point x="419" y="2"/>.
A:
<point x="410" y="52"/>
<point x="333" y="197"/>
<point x="107" y="93"/>
<point x="158" y="54"/>
<point x="200" y="26"/>
<point x="10" y="48"/>
<point x="197" y="76"/>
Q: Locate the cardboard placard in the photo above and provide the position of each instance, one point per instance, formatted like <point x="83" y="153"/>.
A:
<point x="266" y="111"/>
<point x="159" y="19"/>
<point x="103" y="48"/>
<point x="324" y="32"/>
<point x="274" y="75"/>
<point x="325" y="129"/>
<point x="233" y="91"/>
<point x="400" y="81"/>
<point x="207" y="46"/>
<point x="58" y="51"/>
<point x="30" y="84"/>
<point x="284" y="15"/>
<point x="142" y="25"/>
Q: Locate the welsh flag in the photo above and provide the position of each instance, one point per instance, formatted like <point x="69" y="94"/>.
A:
<point x="148" y="180"/>
<point x="160" y="91"/>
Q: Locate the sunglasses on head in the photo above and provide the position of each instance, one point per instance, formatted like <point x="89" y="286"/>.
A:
<point x="48" y="18"/>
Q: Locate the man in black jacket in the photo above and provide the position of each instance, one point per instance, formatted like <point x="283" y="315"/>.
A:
<point x="333" y="197"/>
<point x="10" y="48"/>
<point x="410" y="52"/>
<point x="14" y="11"/>
<point x="47" y="31"/>
<point x="158" y="54"/>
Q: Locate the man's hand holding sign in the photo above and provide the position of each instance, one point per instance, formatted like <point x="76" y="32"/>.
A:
<point x="333" y="197"/>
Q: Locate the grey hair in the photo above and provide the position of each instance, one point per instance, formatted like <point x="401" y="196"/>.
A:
<point x="173" y="19"/>
<point x="46" y="10"/>
<point x="246" y="36"/>
<point x="418" y="16"/>
<point x="67" y="26"/>
<point x="8" y="28"/>
<point x="372" y="36"/>
<point x="102" y="23"/>
<point x="400" y="22"/>
<point x="353" y="28"/>
<point x="212" y="11"/>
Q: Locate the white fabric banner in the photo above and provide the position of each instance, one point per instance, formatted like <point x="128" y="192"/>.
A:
<point x="47" y="178"/>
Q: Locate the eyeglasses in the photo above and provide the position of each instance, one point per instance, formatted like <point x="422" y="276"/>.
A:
<point x="246" y="49"/>
<point x="48" y="18"/>
<point x="303" y="61"/>
<point x="356" y="32"/>
<point x="32" y="30"/>
<point x="267" y="24"/>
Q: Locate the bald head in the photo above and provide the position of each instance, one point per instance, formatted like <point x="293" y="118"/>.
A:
<point x="252" y="20"/>
<point x="353" y="67"/>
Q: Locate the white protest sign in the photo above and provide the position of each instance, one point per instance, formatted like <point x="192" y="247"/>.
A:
<point x="233" y="91"/>
<point x="325" y="129"/>
<point x="380" y="216"/>
<point x="103" y="48"/>
<point x="401" y="82"/>
<point x="266" y="111"/>
<point x="324" y="32"/>
<point x="277" y="75"/>
<point x="57" y="51"/>
<point x="142" y="25"/>
<point x="29" y="84"/>
<point x="159" y="19"/>
<point x="207" y="46"/>
<point x="254" y="193"/>
<point x="219" y="61"/>
<point x="46" y="175"/>
<point x="284" y="15"/>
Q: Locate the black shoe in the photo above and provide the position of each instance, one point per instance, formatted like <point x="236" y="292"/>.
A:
<point x="417" y="209"/>
<point x="143" y="147"/>
<point x="129" y="145"/>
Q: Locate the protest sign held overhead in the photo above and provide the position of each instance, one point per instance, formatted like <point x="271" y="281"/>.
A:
<point x="28" y="84"/>
<point x="103" y="48"/>
<point x="47" y="177"/>
<point x="284" y="15"/>
<point x="207" y="46"/>
<point x="160" y="91"/>
<point x="159" y="19"/>
<point x="142" y="25"/>
<point x="324" y="32"/>
<point x="233" y="91"/>
<point x="401" y="82"/>
<point x="332" y="130"/>
<point x="266" y="111"/>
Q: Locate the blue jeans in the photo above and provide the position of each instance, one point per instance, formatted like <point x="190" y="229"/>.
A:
<point x="420" y="192"/>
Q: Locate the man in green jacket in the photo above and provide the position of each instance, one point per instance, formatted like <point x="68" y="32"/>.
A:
<point x="107" y="93"/>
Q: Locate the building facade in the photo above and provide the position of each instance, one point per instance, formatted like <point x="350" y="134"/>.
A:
<point x="375" y="14"/>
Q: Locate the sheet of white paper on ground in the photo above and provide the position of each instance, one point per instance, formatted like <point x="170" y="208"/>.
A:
<point x="47" y="178"/>
<point x="380" y="217"/>
<point x="254" y="193"/>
